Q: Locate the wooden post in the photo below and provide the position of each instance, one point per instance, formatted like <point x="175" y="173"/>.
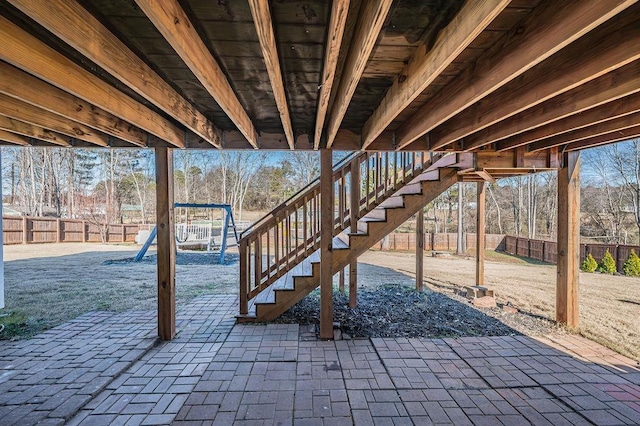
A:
<point x="568" y="240"/>
<point x="25" y="230"/>
<point x="460" y="248"/>
<point x="58" y="231"/>
<point x="166" y="244"/>
<point x="480" y="234"/>
<point x="84" y="231"/>
<point x="124" y="233"/>
<point x="326" y="241"/>
<point x="420" y="250"/>
<point x="341" y="281"/>
<point x="354" y="211"/>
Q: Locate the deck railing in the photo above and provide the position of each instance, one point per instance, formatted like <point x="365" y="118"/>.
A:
<point x="291" y="232"/>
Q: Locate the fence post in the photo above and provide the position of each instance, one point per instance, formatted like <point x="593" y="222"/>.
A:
<point x="124" y="234"/>
<point x="24" y="230"/>
<point x="84" y="231"/>
<point x="58" y="231"/>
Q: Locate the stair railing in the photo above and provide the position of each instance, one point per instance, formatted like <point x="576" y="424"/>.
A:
<point x="291" y="231"/>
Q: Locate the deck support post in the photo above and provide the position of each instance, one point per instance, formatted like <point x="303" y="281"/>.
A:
<point x="354" y="210"/>
<point x="460" y="246"/>
<point x="326" y="242"/>
<point x="1" y="245"/>
<point x="480" y="233"/>
<point x="420" y="250"/>
<point x="568" y="240"/>
<point x="166" y="244"/>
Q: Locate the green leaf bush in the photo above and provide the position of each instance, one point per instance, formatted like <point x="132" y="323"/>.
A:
<point x="607" y="265"/>
<point x="589" y="264"/>
<point x="631" y="266"/>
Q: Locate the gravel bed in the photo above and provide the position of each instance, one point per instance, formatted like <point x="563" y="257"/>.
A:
<point x="182" y="258"/>
<point x="393" y="310"/>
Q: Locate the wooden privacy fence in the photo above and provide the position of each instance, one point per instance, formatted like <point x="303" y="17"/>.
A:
<point x="547" y="250"/>
<point x="446" y="242"/>
<point x="38" y="230"/>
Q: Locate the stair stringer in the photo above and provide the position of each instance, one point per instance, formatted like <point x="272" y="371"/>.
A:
<point x="358" y="244"/>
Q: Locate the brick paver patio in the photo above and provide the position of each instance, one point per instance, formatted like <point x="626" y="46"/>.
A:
<point x="107" y="368"/>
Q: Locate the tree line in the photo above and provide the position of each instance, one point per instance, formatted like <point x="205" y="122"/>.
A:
<point x="118" y="185"/>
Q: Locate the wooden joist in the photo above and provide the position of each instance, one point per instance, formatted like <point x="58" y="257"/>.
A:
<point x="608" y="88"/>
<point x="264" y="28"/>
<point x="49" y="65"/>
<point x="606" y="127"/>
<point x="617" y="136"/>
<point x="337" y="23"/>
<point x="429" y="62"/>
<point x="25" y="87"/>
<point x="550" y="28"/>
<point x="174" y="25"/>
<point x="68" y="20"/>
<point x="372" y="16"/>
<point x="33" y="132"/>
<point x="599" y="52"/>
<point x="14" y="138"/>
<point x="19" y="110"/>
<point x="609" y="111"/>
<point x="486" y="176"/>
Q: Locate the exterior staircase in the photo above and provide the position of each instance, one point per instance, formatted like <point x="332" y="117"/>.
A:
<point x="279" y="255"/>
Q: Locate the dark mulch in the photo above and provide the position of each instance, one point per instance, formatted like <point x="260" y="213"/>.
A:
<point x="393" y="310"/>
<point x="183" y="258"/>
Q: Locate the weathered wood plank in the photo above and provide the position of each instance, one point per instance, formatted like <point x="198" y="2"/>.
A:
<point x="480" y="233"/>
<point x="549" y="28"/>
<point x="14" y="138"/>
<point x="264" y="27"/>
<point x="53" y="67"/>
<point x="428" y="63"/>
<point x="326" y="241"/>
<point x="372" y="16"/>
<point x="420" y="250"/>
<point x="31" y="131"/>
<point x="71" y="22"/>
<point x="173" y="23"/>
<point x="607" y="138"/>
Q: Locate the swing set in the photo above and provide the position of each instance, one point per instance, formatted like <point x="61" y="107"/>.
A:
<point x="193" y="232"/>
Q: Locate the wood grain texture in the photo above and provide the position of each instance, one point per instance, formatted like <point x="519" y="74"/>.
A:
<point x="31" y="131"/>
<point x="173" y="23"/>
<point x="427" y="64"/>
<point x="264" y="28"/>
<point x="567" y="304"/>
<point x="601" y="51"/>
<point x="337" y="23"/>
<point x="326" y="240"/>
<point x="81" y="30"/>
<point x="420" y="250"/>
<point x="607" y="138"/>
<point x="166" y="243"/>
<point x="26" y="52"/>
<point x="608" y="111"/>
<point x="25" y="87"/>
<point x="354" y="212"/>
<point x="550" y="28"/>
<point x="14" y="138"/>
<point x="372" y="16"/>
<point x="480" y="232"/>
<point x="22" y="111"/>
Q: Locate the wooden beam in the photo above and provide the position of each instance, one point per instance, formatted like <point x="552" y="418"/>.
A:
<point x="372" y="15"/>
<point x="47" y="64"/>
<point x="22" y="111"/>
<point x="326" y="243"/>
<point x="264" y="28"/>
<point x="608" y="88"/>
<point x="609" y="111"/>
<point x="173" y="23"/>
<point x="337" y="23"/>
<point x="428" y="62"/>
<point x="71" y="22"/>
<point x="354" y="211"/>
<point x="420" y="250"/>
<point x="25" y="87"/>
<point x="14" y="138"/>
<point x="166" y="244"/>
<point x="604" y="128"/>
<point x="486" y="176"/>
<point x="549" y="28"/>
<point x="607" y="138"/>
<point x="599" y="52"/>
<point x="568" y="241"/>
<point x="480" y="233"/>
<point x="33" y="132"/>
